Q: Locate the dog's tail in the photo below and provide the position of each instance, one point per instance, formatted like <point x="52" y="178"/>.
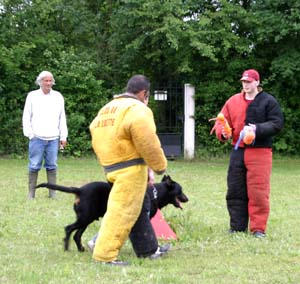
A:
<point x="74" y="190"/>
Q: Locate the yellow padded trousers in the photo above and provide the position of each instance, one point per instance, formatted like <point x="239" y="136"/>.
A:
<point x="125" y="203"/>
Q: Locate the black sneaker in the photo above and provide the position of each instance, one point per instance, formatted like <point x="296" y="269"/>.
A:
<point x="233" y="231"/>
<point x="161" y="250"/>
<point x="116" y="263"/>
<point x="259" y="234"/>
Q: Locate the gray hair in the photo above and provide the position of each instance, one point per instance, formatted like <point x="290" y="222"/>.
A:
<point x="42" y="75"/>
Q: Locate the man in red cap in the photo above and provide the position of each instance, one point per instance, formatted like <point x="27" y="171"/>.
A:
<point x="248" y="179"/>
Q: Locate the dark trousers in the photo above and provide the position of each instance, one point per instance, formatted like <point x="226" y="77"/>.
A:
<point x="142" y="235"/>
<point x="237" y="198"/>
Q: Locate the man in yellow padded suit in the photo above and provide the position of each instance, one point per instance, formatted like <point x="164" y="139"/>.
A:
<point x="125" y="141"/>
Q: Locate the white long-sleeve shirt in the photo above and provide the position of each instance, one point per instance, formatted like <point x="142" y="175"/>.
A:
<point x="44" y="116"/>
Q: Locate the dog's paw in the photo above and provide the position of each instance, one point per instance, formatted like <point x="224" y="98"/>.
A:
<point x="81" y="249"/>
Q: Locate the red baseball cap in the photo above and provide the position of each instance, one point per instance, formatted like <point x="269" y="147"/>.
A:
<point x="250" y="75"/>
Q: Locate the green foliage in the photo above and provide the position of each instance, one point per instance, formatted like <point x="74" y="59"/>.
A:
<point x="83" y="95"/>
<point x="93" y="47"/>
<point x="22" y="61"/>
<point x="287" y="141"/>
<point x="278" y="49"/>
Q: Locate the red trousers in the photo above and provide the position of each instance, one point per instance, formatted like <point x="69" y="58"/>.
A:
<point x="258" y="162"/>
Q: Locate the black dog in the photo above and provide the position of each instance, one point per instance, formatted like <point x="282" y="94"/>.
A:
<point x="91" y="203"/>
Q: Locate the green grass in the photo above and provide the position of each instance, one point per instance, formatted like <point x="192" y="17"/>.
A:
<point x="31" y="232"/>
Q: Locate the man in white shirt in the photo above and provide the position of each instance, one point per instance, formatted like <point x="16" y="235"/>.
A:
<point x="44" y="123"/>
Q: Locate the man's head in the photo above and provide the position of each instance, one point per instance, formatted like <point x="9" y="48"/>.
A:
<point x="45" y="80"/>
<point x="250" y="82"/>
<point x="139" y="85"/>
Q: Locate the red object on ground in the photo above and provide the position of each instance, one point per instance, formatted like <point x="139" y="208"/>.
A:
<point x="161" y="227"/>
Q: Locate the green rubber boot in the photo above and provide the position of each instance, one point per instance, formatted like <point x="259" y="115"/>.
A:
<point x="51" y="177"/>
<point x="32" y="180"/>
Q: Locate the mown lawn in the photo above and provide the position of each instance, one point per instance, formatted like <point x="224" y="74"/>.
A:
<point x="31" y="232"/>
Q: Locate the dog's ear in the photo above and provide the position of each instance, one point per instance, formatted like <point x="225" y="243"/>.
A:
<point x="167" y="178"/>
<point x="164" y="178"/>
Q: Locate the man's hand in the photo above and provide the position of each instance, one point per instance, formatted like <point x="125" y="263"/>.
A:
<point x="151" y="177"/>
<point x="63" y="144"/>
<point x="249" y="134"/>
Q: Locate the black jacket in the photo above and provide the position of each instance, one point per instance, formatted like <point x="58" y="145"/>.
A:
<point x="266" y="114"/>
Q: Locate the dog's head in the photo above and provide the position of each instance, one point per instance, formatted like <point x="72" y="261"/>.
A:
<point x="174" y="193"/>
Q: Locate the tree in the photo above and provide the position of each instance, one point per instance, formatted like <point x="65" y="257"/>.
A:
<point x="277" y="47"/>
<point x="34" y="38"/>
<point x="93" y="47"/>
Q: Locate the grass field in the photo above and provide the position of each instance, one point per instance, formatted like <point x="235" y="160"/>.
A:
<point x="31" y="232"/>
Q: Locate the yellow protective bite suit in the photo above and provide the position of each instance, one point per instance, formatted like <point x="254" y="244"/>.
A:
<point x="125" y="142"/>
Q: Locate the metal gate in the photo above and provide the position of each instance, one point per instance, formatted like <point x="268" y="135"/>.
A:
<point x="168" y="108"/>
